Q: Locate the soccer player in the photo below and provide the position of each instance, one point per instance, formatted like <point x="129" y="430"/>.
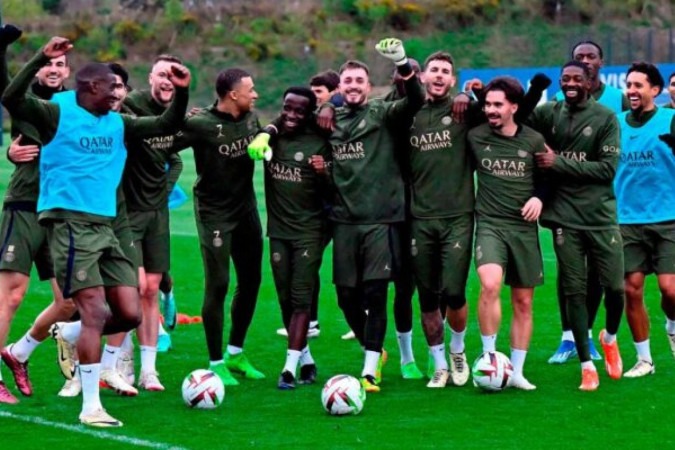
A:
<point x="24" y="240"/>
<point x="296" y="225"/>
<point x="646" y="207"/>
<point x="583" y="137"/>
<point x="325" y="86"/>
<point x="81" y="166"/>
<point x="369" y="200"/>
<point x="590" y="54"/>
<point x="227" y="217"/>
<point x="145" y="190"/>
<point x="509" y="201"/>
<point x="671" y="91"/>
<point x="441" y="206"/>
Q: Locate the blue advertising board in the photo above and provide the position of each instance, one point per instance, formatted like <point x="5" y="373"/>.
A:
<point x="610" y="75"/>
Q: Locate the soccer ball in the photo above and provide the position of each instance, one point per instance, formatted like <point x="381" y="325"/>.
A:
<point x="492" y="371"/>
<point x="203" y="389"/>
<point x="342" y="395"/>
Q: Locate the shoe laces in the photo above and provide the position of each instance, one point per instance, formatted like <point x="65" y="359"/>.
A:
<point x="437" y="376"/>
<point x="458" y="362"/>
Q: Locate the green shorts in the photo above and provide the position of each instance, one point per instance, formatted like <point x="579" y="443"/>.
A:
<point x="122" y="230"/>
<point x="441" y="253"/>
<point x="216" y="242"/>
<point x="364" y="253"/>
<point x="24" y="242"/>
<point x="150" y="232"/>
<point x="577" y="249"/>
<point x="517" y="251"/>
<point x="87" y="255"/>
<point x="295" y="266"/>
<point x="649" y="248"/>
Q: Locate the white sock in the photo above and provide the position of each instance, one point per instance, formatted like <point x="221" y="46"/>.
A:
<point x="306" y="357"/>
<point x="89" y="374"/>
<point x="109" y="357"/>
<point x="590" y="333"/>
<point x="77" y="371"/>
<point x="438" y="354"/>
<point x="128" y="343"/>
<point x="670" y="326"/>
<point x="216" y="363"/>
<point x="609" y="338"/>
<point x="23" y="348"/>
<point x="313" y="323"/>
<point x="567" y="336"/>
<point x="232" y="350"/>
<point x="457" y="341"/>
<point x="292" y="358"/>
<point x="148" y="359"/>
<point x="489" y="342"/>
<point x="405" y="347"/>
<point x="161" y="330"/>
<point x="518" y="361"/>
<point x="588" y="365"/>
<point x="643" y="350"/>
<point x="71" y="332"/>
<point x="370" y="363"/>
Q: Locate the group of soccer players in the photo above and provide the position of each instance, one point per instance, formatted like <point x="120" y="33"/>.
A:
<point x="390" y="181"/>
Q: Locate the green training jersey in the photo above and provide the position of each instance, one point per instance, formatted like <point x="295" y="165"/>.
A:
<point x="506" y="173"/>
<point x="365" y="173"/>
<point x="145" y="176"/>
<point x="224" y="188"/>
<point x="586" y="138"/>
<point x="294" y="192"/>
<point x="440" y="164"/>
<point x="24" y="183"/>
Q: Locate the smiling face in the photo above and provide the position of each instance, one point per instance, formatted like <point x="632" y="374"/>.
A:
<point x="294" y="112"/>
<point x="244" y="95"/>
<point x="671" y="89"/>
<point x="640" y="92"/>
<point x="438" y="78"/>
<point x="499" y="110"/>
<point x="54" y="73"/>
<point x="574" y="84"/>
<point x="354" y="86"/>
<point x="161" y="88"/>
<point x="103" y="95"/>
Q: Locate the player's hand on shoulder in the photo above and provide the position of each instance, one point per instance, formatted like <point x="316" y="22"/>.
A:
<point x="179" y="75"/>
<point x="325" y="118"/>
<point x="459" y="106"/>
<point x="57" y="46"/>
<point x="546" y="159"/>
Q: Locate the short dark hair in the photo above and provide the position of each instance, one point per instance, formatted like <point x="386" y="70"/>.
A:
<point x="511" y="87"/>
<point x="120" y="71"/>
<point x="228" y="79"/>
<point x="167" y="57"/>
<point x="653" y="75"/>
<point x="579" y="64"/>
<point x="670" y="78"/>
<point x="330" y="79"/>
<point x="302" y="92"/>
<point x="439" y="56"/>
<point x="92" y="72"/>
<point x="587" y="42"/>
<point x="354" y="64"/>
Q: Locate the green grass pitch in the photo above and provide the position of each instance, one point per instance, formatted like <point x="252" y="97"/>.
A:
<point x="622" y="414"/>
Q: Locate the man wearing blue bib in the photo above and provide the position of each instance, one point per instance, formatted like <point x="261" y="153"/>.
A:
<point x="646" y="206"/>
<point x="81" y="167"/>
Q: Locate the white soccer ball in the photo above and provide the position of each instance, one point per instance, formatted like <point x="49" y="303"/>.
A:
<point x="342" y="395"/>
<point x="203" y="389"/>
<point x="492" y="371"/>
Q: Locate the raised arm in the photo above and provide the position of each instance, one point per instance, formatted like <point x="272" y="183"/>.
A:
<point x="408" y="106"/>
<point x="43" y="115"/>
<point x="172" y="119"/>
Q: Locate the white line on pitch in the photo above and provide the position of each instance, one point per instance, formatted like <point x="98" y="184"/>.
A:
<point x="90" y="432"/>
